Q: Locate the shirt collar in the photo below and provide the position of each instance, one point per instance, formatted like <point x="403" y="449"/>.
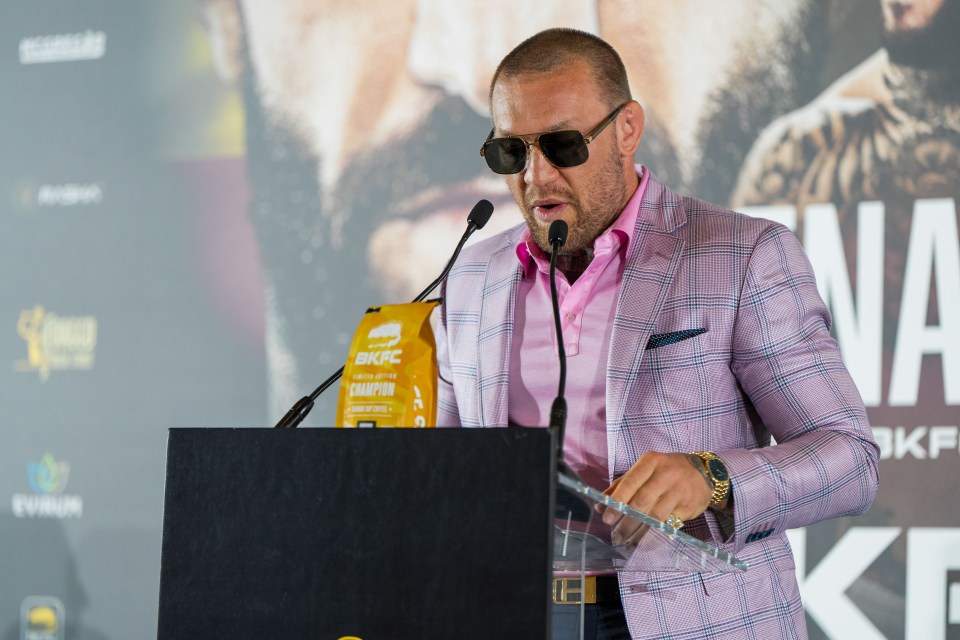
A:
<point x="619" y="234"/>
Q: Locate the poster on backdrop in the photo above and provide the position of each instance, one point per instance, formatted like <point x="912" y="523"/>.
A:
<point x="201" y="199"/>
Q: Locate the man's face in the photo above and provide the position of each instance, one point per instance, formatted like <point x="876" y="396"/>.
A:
<point x="923" y="34"/>
<point x="909" y="15"/>
<point x="350" y="100"/>
<point x="587" y="197"/>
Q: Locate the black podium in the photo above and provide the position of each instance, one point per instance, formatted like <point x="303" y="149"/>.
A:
<point x="329" y="533"/>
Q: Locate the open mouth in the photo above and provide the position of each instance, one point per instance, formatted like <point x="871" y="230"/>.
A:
<point x="548" y="209"/>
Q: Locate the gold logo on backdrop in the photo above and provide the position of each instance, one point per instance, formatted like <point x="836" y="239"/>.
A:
<point x="55" y="342"/>
<point x="42" y="619"/>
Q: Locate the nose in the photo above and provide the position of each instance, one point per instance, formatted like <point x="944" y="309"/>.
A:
<point x="538" y="169"/>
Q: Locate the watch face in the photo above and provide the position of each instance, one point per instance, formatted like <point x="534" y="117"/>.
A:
<point x="718" y="470"/>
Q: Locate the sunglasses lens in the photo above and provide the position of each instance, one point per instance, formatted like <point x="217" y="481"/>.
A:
<point x="505" y="155"/>
<point x="564" y="148"/>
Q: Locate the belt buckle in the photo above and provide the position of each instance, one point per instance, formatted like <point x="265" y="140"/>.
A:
<point x="575" y="590"/>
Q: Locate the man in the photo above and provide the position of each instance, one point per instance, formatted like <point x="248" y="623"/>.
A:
<point x="688" y="328"/>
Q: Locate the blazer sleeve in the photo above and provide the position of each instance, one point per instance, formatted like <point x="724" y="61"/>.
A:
<point x="448" y="414"/>
<point x="824" y="462"/>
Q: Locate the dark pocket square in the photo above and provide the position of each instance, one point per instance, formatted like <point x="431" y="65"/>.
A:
<point x="663" y="339"/>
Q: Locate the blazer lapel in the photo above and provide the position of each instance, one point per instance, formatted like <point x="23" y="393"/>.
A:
<point x="652" y="261"/>
<point x="494" y="341"/>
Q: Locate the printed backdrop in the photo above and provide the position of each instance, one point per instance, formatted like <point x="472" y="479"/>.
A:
<point x="199" y="198"/>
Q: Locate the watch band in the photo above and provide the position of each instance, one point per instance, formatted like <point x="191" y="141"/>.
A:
<point x="721" y="487"/>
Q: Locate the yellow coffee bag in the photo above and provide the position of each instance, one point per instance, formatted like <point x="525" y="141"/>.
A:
<point x="390" y="378"/>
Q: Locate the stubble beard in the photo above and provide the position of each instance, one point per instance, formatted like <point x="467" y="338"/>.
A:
<point x="933" y="46"/>
<point x="600" y="204"/>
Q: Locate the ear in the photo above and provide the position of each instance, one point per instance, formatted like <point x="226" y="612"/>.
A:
<point x="225" y="27"/>
<point x="630" y="128"/>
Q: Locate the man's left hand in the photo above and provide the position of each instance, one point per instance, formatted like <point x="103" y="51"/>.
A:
<point x="659" y="484"/>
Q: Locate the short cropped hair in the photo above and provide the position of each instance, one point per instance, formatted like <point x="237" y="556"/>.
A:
<point x="555" y="48"/>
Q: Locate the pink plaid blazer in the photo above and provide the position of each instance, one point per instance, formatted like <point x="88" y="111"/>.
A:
<point x="766" y="365"/>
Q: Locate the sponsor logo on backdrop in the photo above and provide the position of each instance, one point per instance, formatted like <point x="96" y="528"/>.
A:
<point x="918" y="443"/>
<point x="932" y="602"/>
<point x="48" y="479"/>
<point x="63" y="47"/>
<point x="69" y="194"/>
<point x="932" y="264"/>
<point x="41" y="618"/>
<point x="55" y="342"/>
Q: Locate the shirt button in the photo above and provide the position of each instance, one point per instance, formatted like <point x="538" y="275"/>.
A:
<point x="571" y="317"/>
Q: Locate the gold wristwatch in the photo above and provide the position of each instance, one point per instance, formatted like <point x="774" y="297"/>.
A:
<point x="717" y="472"/>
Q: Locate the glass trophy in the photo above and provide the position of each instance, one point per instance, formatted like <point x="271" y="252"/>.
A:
<point x="584" y="547"/>
<point x="582" y="542"/>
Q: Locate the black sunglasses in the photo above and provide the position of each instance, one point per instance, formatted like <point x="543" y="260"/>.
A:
<point x="562" y="149"/>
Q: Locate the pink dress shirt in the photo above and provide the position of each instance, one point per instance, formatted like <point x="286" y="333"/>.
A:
<point x="586" y="311"/>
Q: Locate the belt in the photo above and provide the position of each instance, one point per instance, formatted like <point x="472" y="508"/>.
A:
<point x="586" y="590"/>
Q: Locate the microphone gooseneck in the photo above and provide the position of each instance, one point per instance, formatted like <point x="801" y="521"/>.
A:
<point x="557" y="236"/>
<point x="476" y="220"/>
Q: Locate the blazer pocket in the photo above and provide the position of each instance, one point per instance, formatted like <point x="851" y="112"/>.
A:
<point x="663" y="339"/>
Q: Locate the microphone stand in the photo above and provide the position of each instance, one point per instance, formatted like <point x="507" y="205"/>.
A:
<point x="557" y="236"/>
<point x="558" y="410"/>
<point x="478" y="217"/>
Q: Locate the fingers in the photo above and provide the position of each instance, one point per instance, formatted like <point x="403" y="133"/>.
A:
<point x="613" y="486"/>
<point x="627" y="485"/>
<point x="626" y="528"/>
<point x="659" y="484"/>
<point x="628" y="532"/>
<point x="651" y="499"/>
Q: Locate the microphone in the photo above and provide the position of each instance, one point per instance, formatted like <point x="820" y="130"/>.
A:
<point x="480" y="214"/>
<point x="476" y="220"/>
<point x="557" y="236"/>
